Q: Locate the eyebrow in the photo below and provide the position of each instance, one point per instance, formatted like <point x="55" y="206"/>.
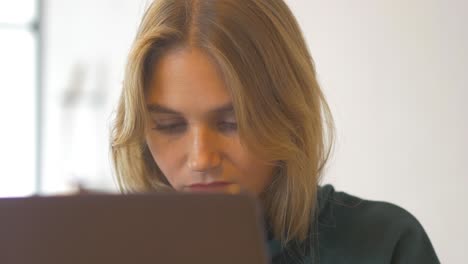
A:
<point x="160" y="109"/>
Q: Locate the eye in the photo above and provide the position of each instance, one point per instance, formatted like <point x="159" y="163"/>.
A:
<point x="225" y="126"/>
<point x="170" y="128"/>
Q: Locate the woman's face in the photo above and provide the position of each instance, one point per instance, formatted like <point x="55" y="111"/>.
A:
<point x="192" y="131"/>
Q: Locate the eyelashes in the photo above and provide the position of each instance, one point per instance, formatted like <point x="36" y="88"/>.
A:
<point x="181" y="127"/>
<point x="170" y="128"/>
<point x="227" y="126"/>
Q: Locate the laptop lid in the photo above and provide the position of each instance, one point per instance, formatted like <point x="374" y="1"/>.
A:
<point x="137" y="228"/>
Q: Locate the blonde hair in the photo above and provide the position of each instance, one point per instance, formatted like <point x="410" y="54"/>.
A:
<point x="280" y="109"/>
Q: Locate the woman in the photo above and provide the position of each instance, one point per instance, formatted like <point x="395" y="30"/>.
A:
<point x="222" y="96"/>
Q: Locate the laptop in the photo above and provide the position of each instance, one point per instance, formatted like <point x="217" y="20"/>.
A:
<point x="136" y="228"/>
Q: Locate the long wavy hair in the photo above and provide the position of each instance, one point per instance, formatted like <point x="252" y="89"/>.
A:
<point x="280" y="109"/>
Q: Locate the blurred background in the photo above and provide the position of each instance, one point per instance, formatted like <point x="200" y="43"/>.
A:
<point x="394" y="73"/>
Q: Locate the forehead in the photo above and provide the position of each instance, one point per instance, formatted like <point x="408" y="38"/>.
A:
<point x="187" y="80"/>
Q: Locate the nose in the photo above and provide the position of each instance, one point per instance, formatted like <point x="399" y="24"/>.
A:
<point x="204" y="150"/>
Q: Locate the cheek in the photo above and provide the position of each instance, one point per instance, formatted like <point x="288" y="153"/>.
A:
<point x="253" y="174"/>
<point x="261" y="176"/>
<point x="166" y="158"/>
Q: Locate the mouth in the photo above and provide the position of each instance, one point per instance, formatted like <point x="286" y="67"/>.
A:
<point x="220" y="186"/>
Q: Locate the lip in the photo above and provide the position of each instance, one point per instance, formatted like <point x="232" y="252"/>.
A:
<point x="212" y="186"/>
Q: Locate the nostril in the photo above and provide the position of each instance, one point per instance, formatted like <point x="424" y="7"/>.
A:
<point x="204" y="161"/>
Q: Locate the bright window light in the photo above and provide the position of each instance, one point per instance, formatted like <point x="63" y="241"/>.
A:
<point x="17" y="11"/>
<point x="17" y="111"/>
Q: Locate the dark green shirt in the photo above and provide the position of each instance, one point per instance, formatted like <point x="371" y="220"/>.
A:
<point x="350" y="230"/>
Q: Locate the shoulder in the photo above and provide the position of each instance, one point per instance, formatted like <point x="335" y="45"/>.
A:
<point x="349" y="208"/>
<point x="370" y="229"/>
<point x="340" y="207"/>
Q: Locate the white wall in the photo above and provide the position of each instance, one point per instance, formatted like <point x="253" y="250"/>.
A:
<point x="86" y="43"/>
<point x="395" y="76"/>
<point x="393" y="71"/>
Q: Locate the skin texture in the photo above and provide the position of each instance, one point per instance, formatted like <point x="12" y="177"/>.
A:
<point x="192" y="131"/>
